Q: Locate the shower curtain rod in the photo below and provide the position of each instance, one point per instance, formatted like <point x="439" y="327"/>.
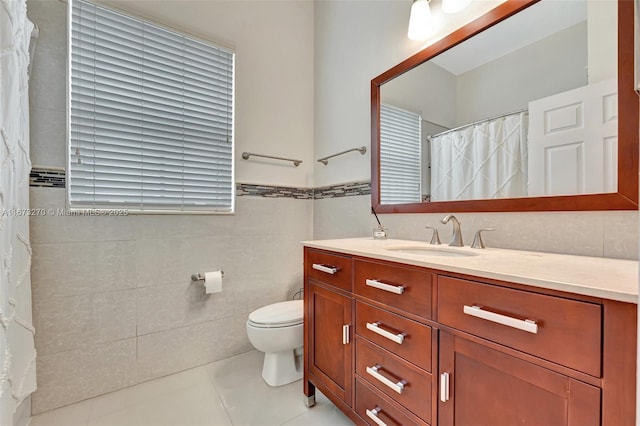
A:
<point x="477" y="122"/>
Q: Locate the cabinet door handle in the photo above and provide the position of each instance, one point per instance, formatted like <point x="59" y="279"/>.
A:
<point x="345" y="334"/>
<point x="529" y="326"/>
<point x="328" y="269"/>
<point x="444" y="387"/>
<point x="375" y="327"/>
<point x="373" y="415"/>
<point x="397" y="289"/>
<point x="397" y="387"/>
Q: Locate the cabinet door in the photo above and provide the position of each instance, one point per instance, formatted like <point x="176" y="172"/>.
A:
<point x="486" y="387"/>
<point x="329" y="345"/>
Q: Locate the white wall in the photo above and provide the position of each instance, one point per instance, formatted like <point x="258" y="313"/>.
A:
<point x="555" y="64"/>
<point x="602" y="17"/>
<point x="113" y="301"/>
<point x="428" y="90"/>
<point x="355" y="42"/>
<point x="552" y="65"/>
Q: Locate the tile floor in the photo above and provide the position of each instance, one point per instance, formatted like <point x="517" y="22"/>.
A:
<point x="226" y="392"/>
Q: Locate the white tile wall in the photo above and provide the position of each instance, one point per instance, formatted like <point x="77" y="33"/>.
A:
<point x="181" y="348"/>
<point x="99" y="280"/>
<point x="621" y="234"/>
<point x="345" y="217"/>
<point x="66" y="269"/>
<point x="96" y="283"/>
<point x="608" y="233"/>
<point x="49" y="66"/>
<point x="67" y="323"/>
<point x="48" y="133"/>
<point x="70" y="376"/>
<point x="167" y="307"/>
<point x="48" y="122"/>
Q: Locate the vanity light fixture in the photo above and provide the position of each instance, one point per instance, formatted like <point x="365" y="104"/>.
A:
<point x="420" y="20"/>
<point x="454" y="6"/>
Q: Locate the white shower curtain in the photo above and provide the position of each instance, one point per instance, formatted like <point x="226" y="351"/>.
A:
<point x="17" y="350"/>
<point x="481" y="161"/>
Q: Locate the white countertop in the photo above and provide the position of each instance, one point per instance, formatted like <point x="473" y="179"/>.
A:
<point x="606" y="278"/>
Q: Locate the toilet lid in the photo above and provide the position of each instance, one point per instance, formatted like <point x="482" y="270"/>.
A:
<point x="279" y="314"/>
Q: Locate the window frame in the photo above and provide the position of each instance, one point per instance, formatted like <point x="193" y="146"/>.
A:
<point x="401" y="116"/>
<point x="120" y="208"/>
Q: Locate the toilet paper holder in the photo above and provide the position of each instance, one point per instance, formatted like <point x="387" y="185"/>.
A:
<point x="199" y="276"/>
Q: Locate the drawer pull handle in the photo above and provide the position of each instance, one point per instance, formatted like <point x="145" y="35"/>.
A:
<point x="373" y="415"/>
<point x="345" y="334"/>
<point x="444" y="387"/>
<point x="328" y="269"/>
<point x="397" y="289"/>
<point x="375" y="327"/>
<point x="529" y="326"/>
<point x="397" y="387"/>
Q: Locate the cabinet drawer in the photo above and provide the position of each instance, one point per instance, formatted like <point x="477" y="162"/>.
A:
<point x="398" y="379"/>
<point x="403" y="288"/>
<point x="371" y="403"/>
<point x="564" y="331"/>
<point x="328" y="268"/>
<point x="401" y="336"/>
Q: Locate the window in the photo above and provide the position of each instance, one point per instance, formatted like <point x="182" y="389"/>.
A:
<point x="400" y="156"/>
<point x="151" y="116"/>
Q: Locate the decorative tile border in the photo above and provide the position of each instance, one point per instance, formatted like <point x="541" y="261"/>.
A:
<point x="44" y="177"/>
<point x="333" y="191"/>
<point x="343" y="190"/>
<point x="268" y="191"/>
<point x="56" y="178"/>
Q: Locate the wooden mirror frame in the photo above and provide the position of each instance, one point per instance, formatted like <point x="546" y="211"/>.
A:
<point x="628" y="109"/>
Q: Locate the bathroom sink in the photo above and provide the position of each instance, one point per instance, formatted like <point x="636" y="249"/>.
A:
<point x="430" y="251"/>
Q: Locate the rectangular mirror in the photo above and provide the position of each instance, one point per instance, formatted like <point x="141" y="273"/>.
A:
<point x="530" y="107"/>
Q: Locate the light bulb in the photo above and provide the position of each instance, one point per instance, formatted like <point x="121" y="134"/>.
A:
<point x="453" y="6"/>
<point x="420" y="21"/>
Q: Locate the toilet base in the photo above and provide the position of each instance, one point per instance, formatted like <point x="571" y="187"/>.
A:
<point x="281" y="368"/>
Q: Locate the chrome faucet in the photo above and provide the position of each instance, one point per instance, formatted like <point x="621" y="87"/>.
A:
<point x="456" y="236"/>
<point x="477" y="239"/>
<point x="435" y="239"/>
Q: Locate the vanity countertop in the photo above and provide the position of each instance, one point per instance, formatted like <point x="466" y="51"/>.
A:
<point x="613" y="279"/>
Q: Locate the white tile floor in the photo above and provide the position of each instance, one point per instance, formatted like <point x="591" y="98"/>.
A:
<point x="227" y="392"/>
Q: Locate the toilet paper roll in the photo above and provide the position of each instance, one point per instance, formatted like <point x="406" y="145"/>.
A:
<point x="213" y="282"/>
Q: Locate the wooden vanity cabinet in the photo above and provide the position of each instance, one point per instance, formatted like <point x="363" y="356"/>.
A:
<point x="327" y="328"/>
<point x="393" y="353"/>
<point x="563" y="331"/>
<point x="360" y="350"/>
<point x="485" y="387"/>
<point x="330" y="346"/>
<point x="427" y="347"/>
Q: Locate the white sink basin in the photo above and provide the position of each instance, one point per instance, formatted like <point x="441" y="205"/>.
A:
<point x="429" y="251"/>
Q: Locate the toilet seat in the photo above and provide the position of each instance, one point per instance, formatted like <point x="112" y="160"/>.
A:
<point x="277" y="315"/>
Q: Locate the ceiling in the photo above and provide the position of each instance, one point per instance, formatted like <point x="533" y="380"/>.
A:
<point x="533" y="24"/>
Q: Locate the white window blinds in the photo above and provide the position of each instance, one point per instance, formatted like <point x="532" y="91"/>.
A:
<point x="400" y="156"/>
<point x="151" y="116"/>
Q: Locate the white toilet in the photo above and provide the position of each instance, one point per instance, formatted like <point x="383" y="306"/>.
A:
<point x="277" y="331"/>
